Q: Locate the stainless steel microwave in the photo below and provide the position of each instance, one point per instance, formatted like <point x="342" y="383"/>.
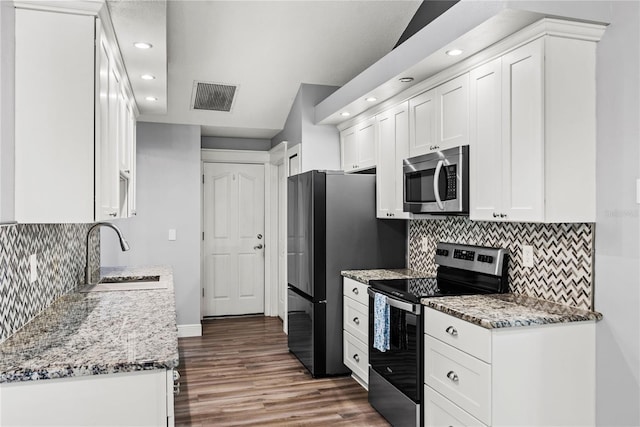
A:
<point x="438" y="182"/>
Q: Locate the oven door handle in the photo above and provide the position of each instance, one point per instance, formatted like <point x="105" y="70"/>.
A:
<point x="404" y="306"/>
<point x="436" y="187"/>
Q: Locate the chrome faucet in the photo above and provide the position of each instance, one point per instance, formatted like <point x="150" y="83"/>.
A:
<point x="123" y="245"/>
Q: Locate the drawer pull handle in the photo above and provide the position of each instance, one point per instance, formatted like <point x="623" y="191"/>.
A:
<point x="355" y="291"/>
<point x="356" y="357"/>
<point x="356" y="320"/>
<point x="451" y="331"/>
<point x="452" y="376"/>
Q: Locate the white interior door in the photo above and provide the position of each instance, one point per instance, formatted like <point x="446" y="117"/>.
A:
<point x="233" y="239"/>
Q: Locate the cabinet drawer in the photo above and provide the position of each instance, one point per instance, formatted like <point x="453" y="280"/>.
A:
<point x="439" y="411"/>
<point x="461" y="378"/>
<point x="356" y="319"/>
<point x="356" y="356"/>
<point x="463" y="335"/>
<point x="356" y="290"/>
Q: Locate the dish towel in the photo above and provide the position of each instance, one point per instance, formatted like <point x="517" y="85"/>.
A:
<point x="380" y="323"/>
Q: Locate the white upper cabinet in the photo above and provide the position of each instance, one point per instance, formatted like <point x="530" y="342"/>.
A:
<point x="75" y="123"/>
<point x="393" y="147"/>
<point x="439" y="118"/>
<point x="358" y="146"/>
<point x="532" y="154"/>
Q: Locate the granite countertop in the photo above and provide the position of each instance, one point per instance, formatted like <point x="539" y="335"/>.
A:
<point x="364" y="276"/>
<point x="97" y="333"/>
<point x="508" y="310"/>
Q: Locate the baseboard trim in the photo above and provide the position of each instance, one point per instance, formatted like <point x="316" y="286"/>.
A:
<point x="194" y="330"/>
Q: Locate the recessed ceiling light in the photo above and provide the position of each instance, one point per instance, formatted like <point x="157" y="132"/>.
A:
<point x="143" y="45"/>
<point x="147" y="77"/>
<point x="406" y="79"/>
<point x="371" y="99"/>
<point x="453" y="52"/>
<point x="151" y="98"/>
<point x="345" y="114"/>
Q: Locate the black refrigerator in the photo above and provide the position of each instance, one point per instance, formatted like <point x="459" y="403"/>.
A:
<point x="331" y="226"/>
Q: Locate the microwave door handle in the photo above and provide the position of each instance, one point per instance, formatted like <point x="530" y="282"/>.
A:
<point x="436" y="190"/>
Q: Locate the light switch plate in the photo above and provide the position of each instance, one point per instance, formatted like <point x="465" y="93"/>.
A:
<point x="527" y="255"/>
<point x="424" y="244"/>
<point x="33" y="268"/>
<point x="172" y="234"/>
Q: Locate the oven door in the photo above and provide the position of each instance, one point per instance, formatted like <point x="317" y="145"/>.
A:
<point x="401" y="364"/>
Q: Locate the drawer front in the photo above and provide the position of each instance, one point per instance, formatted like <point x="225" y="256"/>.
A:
<point x="463" y="379"/>
<point x="356" y="290"/>
<point x="356" y="356"/>
<point x="439" y="411"/>
<point x="463" y="335"/>
<point x="356" y="319"/>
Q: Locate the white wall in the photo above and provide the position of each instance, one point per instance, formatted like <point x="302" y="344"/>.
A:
<point x="168" y="198"/>
<point x="255" y="144"/>
<point x="7" y="134"/>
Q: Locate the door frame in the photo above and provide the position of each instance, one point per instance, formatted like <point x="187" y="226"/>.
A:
<point x="246" y="157"/>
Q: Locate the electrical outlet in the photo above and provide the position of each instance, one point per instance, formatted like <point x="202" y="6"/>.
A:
<point x="527" y="255"/>
<point x="425" y="244"/>
<point x="172" y="234"/>
<point x="33" y="262"/>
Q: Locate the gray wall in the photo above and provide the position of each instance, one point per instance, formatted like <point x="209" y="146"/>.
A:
<point x="168" y="171"/>
<point x="7" y="89"/>
<point x="320" y="143"/>
<point x="216" y="142"/>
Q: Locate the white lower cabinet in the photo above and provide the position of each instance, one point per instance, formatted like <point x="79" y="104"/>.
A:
<point x="355" y="334"/>
<point x="540" y="375"/>
<point x="143" y="398"/>
<point x="439" y="411"/>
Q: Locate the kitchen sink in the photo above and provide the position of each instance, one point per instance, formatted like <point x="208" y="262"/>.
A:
<point x="126" y="283"/>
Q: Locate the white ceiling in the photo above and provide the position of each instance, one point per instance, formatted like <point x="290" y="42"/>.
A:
<point x="267" y="48"/>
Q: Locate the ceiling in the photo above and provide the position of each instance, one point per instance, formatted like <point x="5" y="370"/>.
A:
<point x="266" y="48"/>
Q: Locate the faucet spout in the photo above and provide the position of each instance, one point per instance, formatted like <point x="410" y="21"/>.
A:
<point x="123" y="245"/>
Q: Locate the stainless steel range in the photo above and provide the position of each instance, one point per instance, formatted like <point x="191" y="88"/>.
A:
<point x="396" y="328"/>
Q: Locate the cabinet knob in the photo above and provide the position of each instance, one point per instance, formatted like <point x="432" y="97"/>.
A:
<point x="495" y="215"/>
<point x="113" y="214"/>
<point x="356" y="357"/>
<point x="451" y="331"/>
<point x="503" y="215"/>
<point x="355" y="291"/>
<point x="356" y="320"/>
<point x="452" y="376"/>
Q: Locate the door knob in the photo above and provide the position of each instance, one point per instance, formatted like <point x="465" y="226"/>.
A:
<point x="258" y="246"/>
<point x="259" y="236"/>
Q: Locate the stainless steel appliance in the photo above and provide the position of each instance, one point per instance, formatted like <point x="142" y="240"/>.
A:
<point x="396" y="374"/>
<point x="331" y="226"/>
<point x="438" y="182"/>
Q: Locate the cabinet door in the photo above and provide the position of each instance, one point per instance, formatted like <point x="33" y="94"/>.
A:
<point x="54" y="117"/>
<point x="422" y="123"/>
<point x="131" y="198"/>
<point x="522" y="118"/>
<point x="485" y="140"/>
<point x="452" y="118"/>
<point x="349" y="154"/>
<point x="393" y="147"/>
<point x="366" y="143"/>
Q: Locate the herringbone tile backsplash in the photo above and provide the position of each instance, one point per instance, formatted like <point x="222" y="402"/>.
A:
<point x="563" y="254"/>
<point x="60" y="251"/>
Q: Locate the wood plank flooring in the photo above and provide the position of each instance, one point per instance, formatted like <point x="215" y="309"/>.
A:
<point x="240" y="373"/>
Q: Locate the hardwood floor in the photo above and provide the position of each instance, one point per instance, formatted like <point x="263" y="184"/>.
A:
<point x="240" y="373"/>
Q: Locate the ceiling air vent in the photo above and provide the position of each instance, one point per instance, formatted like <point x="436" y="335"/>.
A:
<point x="213" y="96"/>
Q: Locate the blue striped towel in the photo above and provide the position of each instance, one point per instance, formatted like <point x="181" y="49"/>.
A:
<point x="380" y="323"/>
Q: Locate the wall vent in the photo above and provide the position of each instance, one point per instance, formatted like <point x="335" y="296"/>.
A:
<point x="213" y="96"/>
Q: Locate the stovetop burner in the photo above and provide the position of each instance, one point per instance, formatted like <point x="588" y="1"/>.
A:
<point x="462" y="270"/>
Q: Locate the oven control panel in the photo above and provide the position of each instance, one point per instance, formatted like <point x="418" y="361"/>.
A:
<point x="464" y="254"/>
<point x="473" y="258"/>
